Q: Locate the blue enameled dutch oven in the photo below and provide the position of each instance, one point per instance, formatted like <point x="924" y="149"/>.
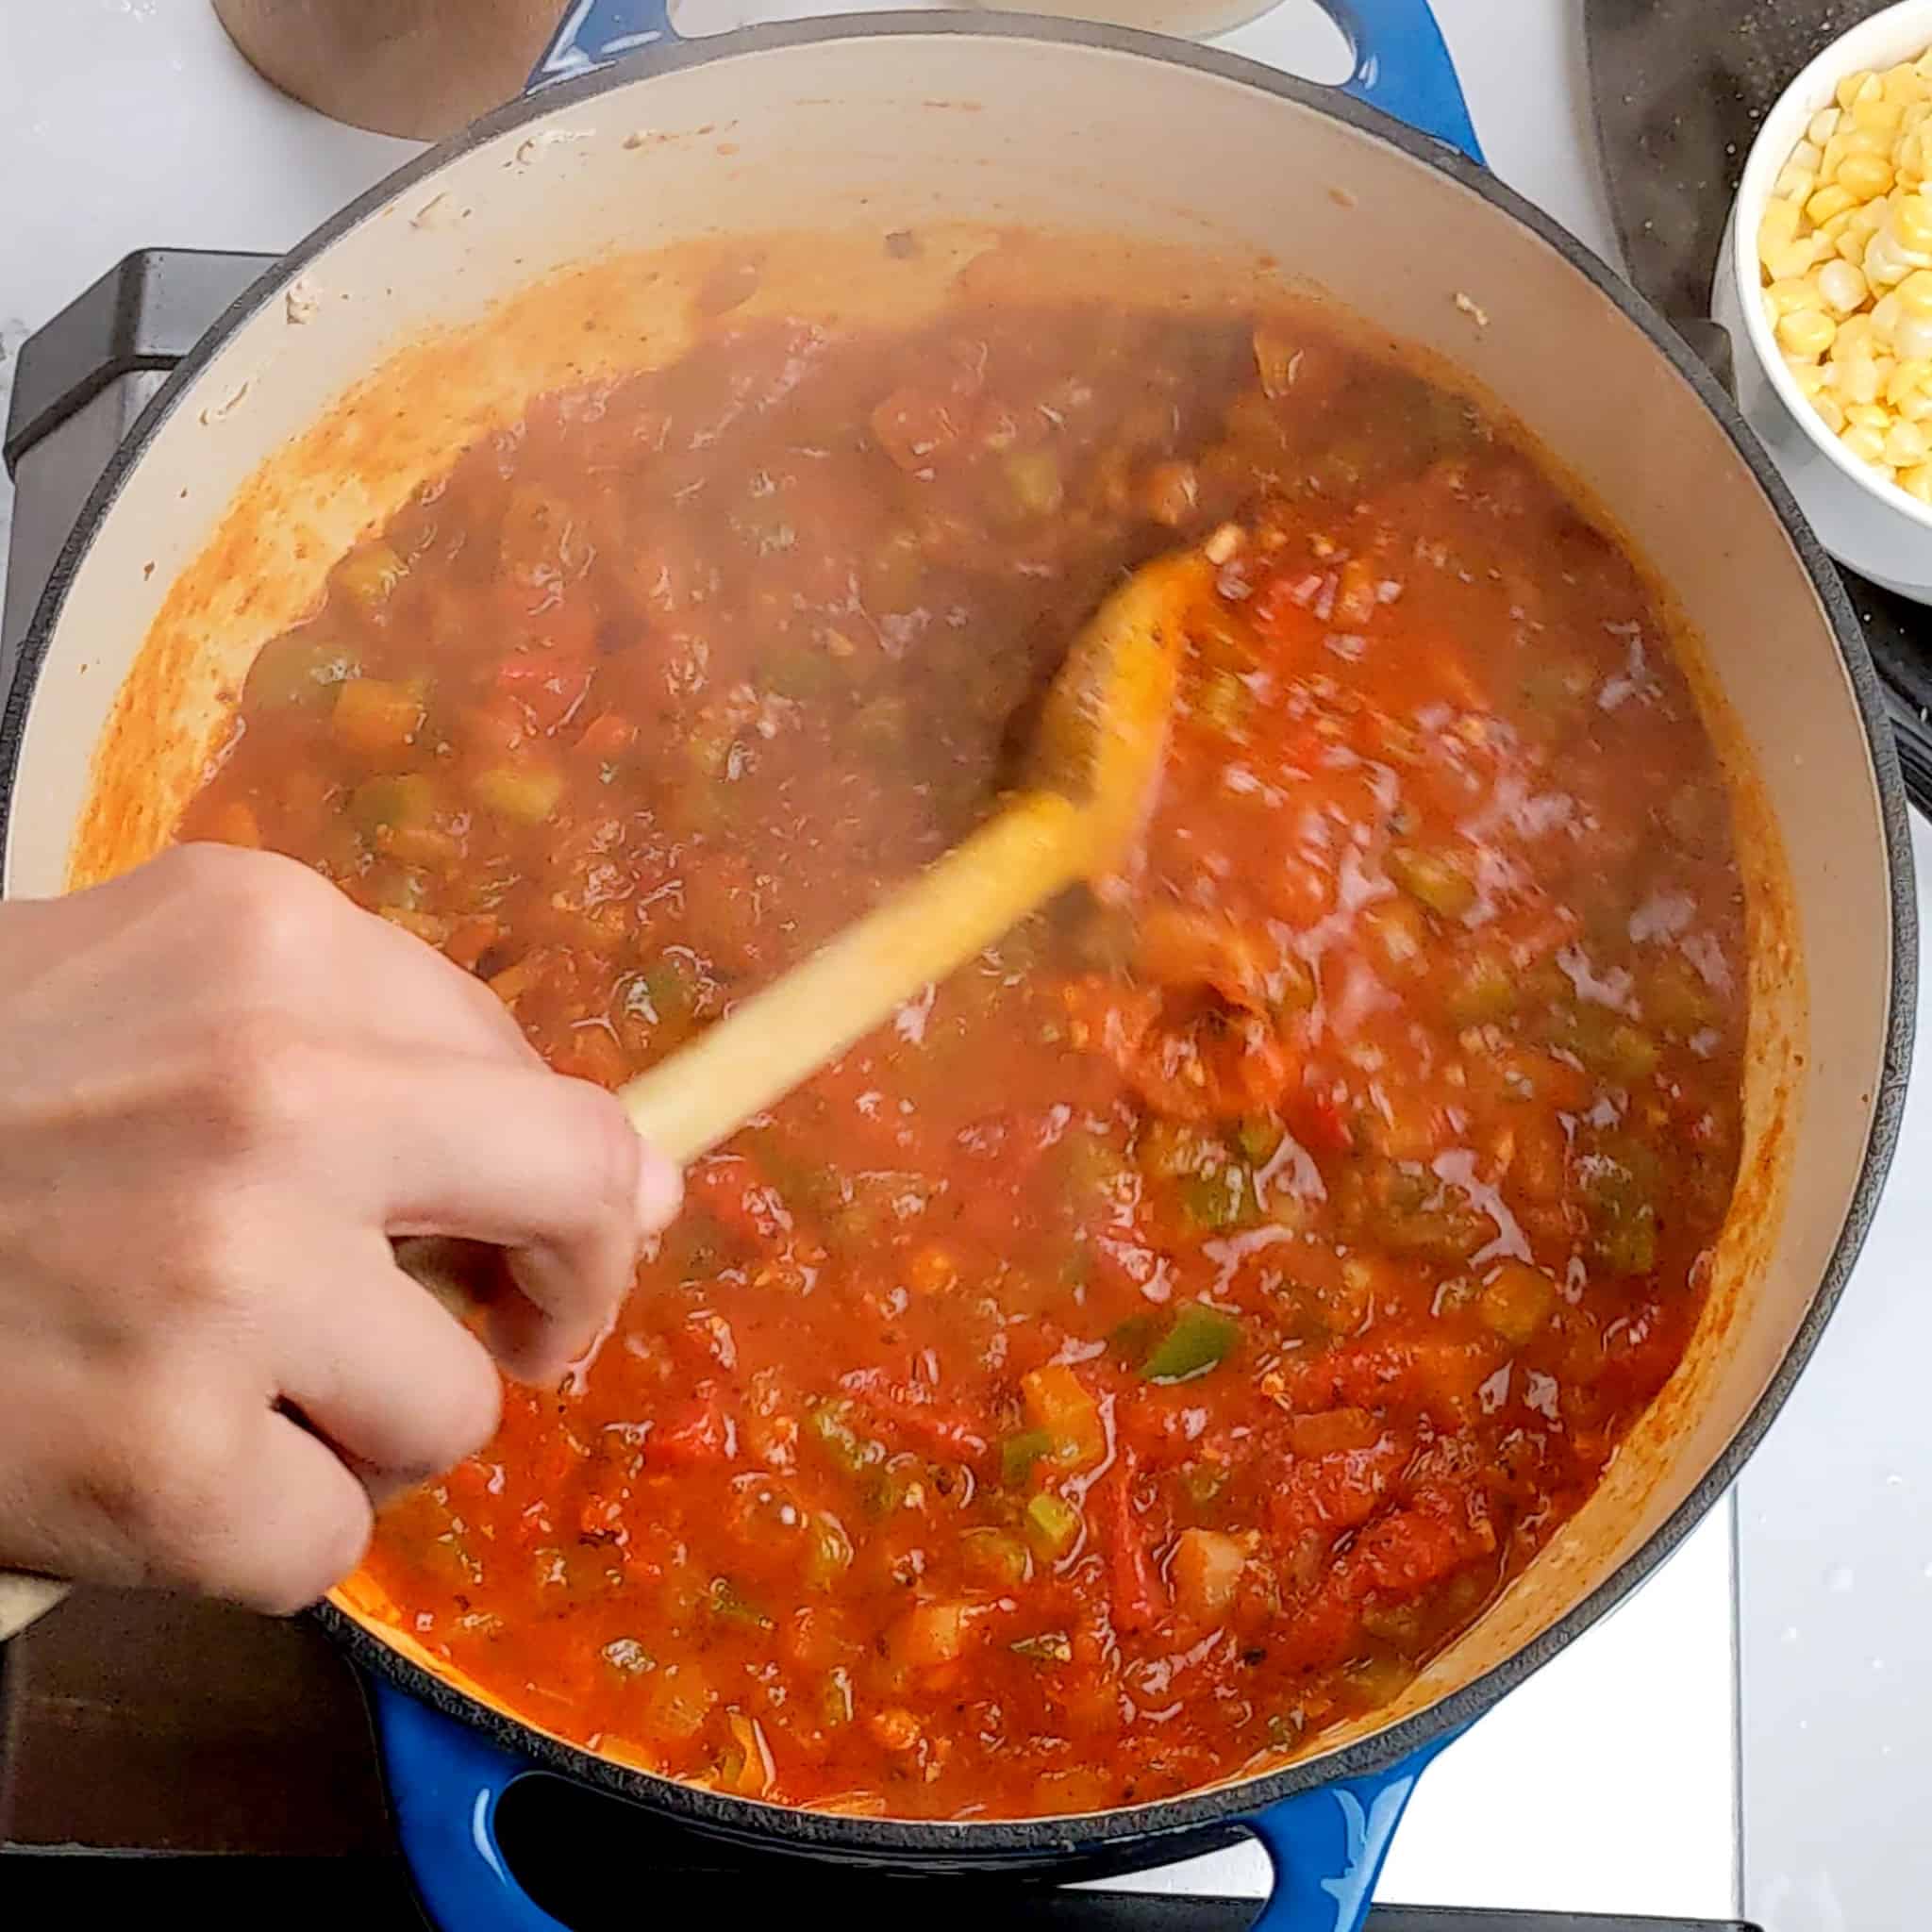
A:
<point x="259" y="461"/>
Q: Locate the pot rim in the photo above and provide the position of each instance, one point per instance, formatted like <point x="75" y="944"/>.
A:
<point x="976" y="1840"/>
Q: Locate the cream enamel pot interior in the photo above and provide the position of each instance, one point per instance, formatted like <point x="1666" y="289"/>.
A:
<point x="357" y="368"/>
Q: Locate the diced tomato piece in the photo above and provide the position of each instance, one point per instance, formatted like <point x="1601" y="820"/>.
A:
<point x="694" y="1436"/>
<point x="1138" y="1594"/>
<point x="607" y="737"/>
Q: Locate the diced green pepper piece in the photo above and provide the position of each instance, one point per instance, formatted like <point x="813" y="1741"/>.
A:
<point x="1134" y="1337"/>
<point x="729" y="1604"/>
<point x="1259" y="1137"/>
<point x="299" y="670"/>
<point x="1621" y="1214"/>
<point x="1485" y="991"/>
<point x="1433" y="879"/>
<point x="1049" y="1647"/>
<point x="1218" y="1201"/>
<point x="524" y="794"/>
<point x="1203" y="1482"/>
<point x="402" y="800"/>
<point x="1201" y="1338"/>
<point x="830" y="1424"/>
<point x="1168" y="1150"/>
<point x="1018" y="1454"/>
<point x="828" y="1552"/>
<point x="996" y="1557"/>
<point x="835" y="1701"/>
<point x="1051" y="1523"/>
<point x="1676" y="998"/>
<point x="1034" y="482"/>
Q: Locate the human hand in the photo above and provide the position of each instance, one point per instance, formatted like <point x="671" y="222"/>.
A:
<point x="223" y="1088"/>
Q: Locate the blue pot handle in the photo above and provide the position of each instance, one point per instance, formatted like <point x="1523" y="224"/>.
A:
<point x="1328" y="1846"/>
<point x="1402" y="66"/>
<point x="445" y="1782"/>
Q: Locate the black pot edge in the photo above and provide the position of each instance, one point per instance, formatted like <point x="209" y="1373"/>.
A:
<point x="1141" y="1834"/>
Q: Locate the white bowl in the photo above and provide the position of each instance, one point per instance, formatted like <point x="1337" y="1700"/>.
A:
<point x="1865" y="521"/>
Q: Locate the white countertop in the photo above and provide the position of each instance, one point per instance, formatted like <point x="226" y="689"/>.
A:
<point x="1609" y="1783"/>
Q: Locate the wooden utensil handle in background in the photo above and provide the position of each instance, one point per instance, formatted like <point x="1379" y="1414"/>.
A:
<point x="418" y="68"/>
<point x="26" y="1599"/>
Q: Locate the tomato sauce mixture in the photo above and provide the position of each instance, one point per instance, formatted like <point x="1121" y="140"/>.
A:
<point x="1164" y="1335"/>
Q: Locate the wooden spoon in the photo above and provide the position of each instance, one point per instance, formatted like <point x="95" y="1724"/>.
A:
<point x="1095" y="760"/>
<point x="1097" y="754"/>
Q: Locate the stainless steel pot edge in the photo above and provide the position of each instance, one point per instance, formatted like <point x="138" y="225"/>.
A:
<point x="1140" y="1834"/>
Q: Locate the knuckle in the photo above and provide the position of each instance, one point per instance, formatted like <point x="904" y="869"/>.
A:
<point x="464" y="1413"/>
<point x="611" y="1157"/>
<point x="269" y="912"/>
<point x="158" y="1480"/>
<point x="264" y="1079"/>
<point x="332" y="1544"/>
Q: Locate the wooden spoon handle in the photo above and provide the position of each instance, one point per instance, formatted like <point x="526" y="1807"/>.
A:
<point x="685" y="1105"/>
<point x="24" y="1599"/>
<point x="689" y="1103"/>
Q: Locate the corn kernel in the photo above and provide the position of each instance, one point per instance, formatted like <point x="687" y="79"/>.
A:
<point x="1916" y="482"/>
<point x="1868" y="445"/>
<point x="1856" y="379"/>
<point x="1906" y="379"/>
<point x="1855" y="332"/>
<point x="1879" y="118"/>
<point x="1906" y="445"/>
<point x="1778" y="227"/>
<point x="1885" y="266"/>
<point x="1909" y="221"/>
<point x="1912" y="340"/>
<point x="1845" y="250"/>
<point x="1835" y="200"/>
<point x="1807" y="332"/>
<point x="1799" y="258"/>
<point x="1786" y="298"/>
<point x="1864" y="178"/>
<point x="1843" y="285"/>
<point x="1809" y="376"/>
